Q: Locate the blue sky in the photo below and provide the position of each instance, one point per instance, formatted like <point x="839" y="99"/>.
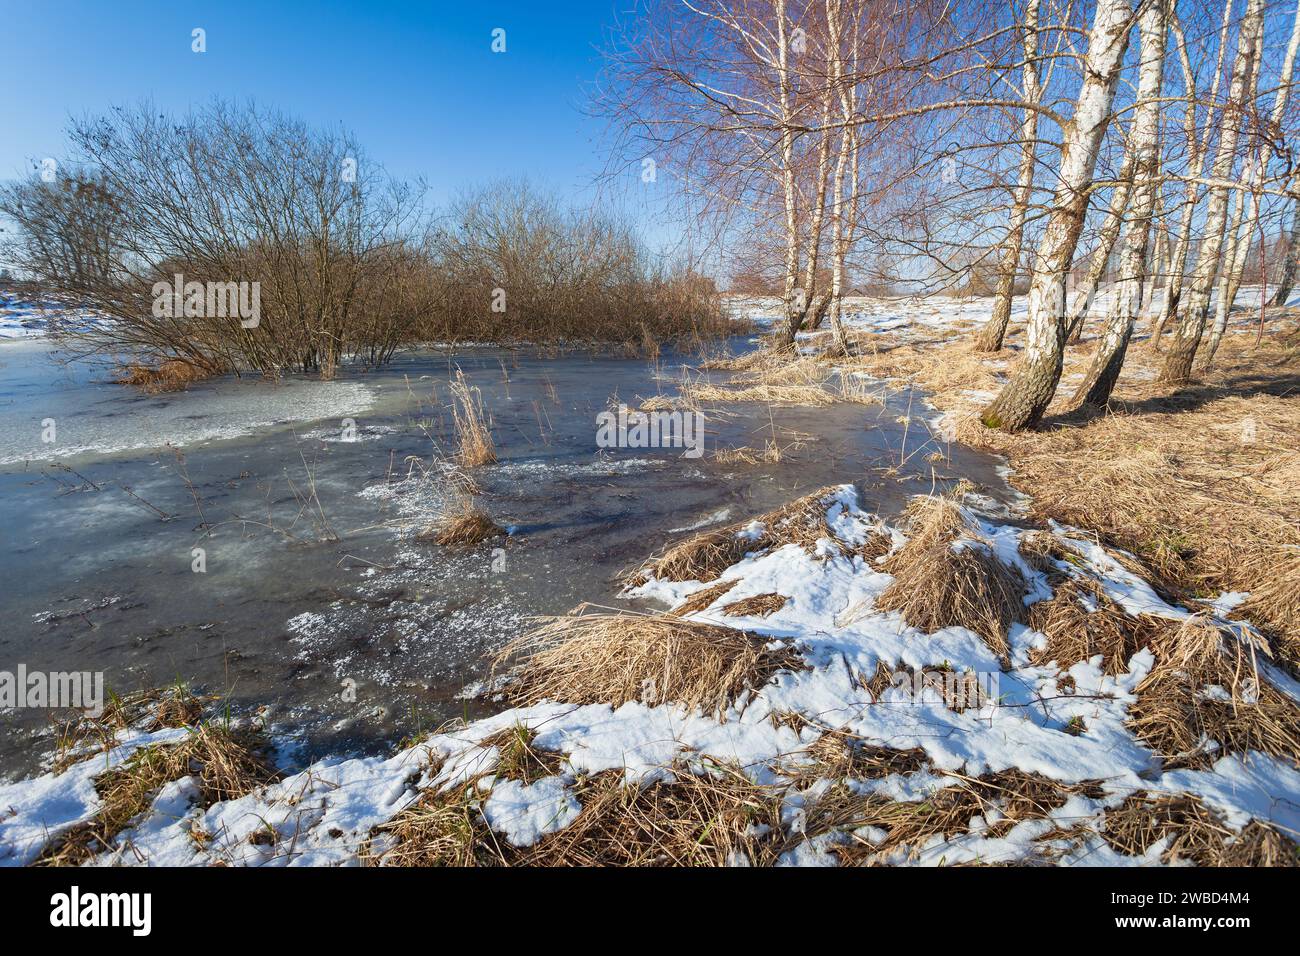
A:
<point x="416" y="81"/>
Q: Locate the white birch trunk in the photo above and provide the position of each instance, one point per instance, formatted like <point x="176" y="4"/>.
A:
<point x="990" y="339"/>
<point x="1144" y="144"/>
<point x="1187" y="334"/>
<point x="1024" y="399"/>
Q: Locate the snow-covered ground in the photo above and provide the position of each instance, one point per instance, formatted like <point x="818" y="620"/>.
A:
<point x="325" y="813"/>
<point x="917" y="315"/>
<point x="22" y="317"/>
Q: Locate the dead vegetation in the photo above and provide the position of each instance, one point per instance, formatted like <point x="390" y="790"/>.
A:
<point x="704" y="597"/>
<point x="715" y="817"/>
<point x="839" y="755"/>
<point x="519" y="759"/>
<point x="1010" y="797"/>
<point x="1080" y="621"/>
<point x="598" y="657"/>
<point x="461" y="522"/>
<point x="946" y="577"/>
<point x="1201" y="482"/>
<point x="150" y="710"/>
<point x="759" y="605"/>
<point x="225" y="764"/>
<point x="1193" y="834"/>
<point x="174" y="375"/>
<point x="1205" y="697"/>
<point x="704" y="556"/>
<point x="474" y="444"/>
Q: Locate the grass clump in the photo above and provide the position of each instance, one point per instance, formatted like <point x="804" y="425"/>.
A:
<point x="714" y="817"/>
<point x="945" y="577"/>
<point x="519" y="759"/>
<point x="173" y="375"/>
<point x="474" y="444"/>
<point x="613" y="658"/>
<point x="704" y="556"/>
<point x="1204" y="697"/>
<point x="704" y="597"/>
<point x="1193" y="834"/>
<point x="225" y="764"/>
<point x="759" y="605"/>
<point x="1076" y="632"/>
<point x="1010" y="797"/>
<point x="461" y="522"/>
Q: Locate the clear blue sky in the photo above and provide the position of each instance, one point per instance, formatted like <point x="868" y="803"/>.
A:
<point x="416" y="81"/>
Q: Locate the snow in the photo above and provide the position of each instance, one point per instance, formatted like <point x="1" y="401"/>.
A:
<point x="326" y="813"/>
<point x="527" y="812"/>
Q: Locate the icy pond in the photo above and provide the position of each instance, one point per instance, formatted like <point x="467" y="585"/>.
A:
<point x="313" y="599"/>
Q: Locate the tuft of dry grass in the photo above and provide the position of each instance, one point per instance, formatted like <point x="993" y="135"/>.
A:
<point x="717" y="817"/>
<point x="704" y="556"/>
<point x="839" y="755"/>
<point x="771" y="453"/>
<point x="945" y="577"/>
<point x="149" y="710"/>
<point x="701" y="599"/>
<point x="613" y="658"/>
<point x="226" y="765"/>
<point x="1010" y="796"/>
<point x="519" y="759"/>
<point x="759" y="605"/>
<point x="1195" y="834"/>
<point x="174" y="375"/>
<point x="461" y="522"/>
<point x="474" y="444"/>
<point x="1076" y="632"/>
<point x="1203" y="688"/>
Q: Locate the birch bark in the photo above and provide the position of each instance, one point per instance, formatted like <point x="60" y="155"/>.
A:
<point x="1024" y="399"/>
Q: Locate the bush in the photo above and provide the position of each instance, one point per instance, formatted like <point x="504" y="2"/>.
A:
<point x="178" y="230"/>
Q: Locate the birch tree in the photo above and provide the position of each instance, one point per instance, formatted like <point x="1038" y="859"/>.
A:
<point x="1191" y="326"/>
<point x="1250" y="197"/>
<point x="1024" y="399"/>
<point x="990" y="338"/>
<point x="1109" y="232"/>
<point x="1198" y="147"/>
<point x="1109" y="357"/>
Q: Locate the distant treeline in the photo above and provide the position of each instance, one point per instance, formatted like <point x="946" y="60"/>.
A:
<point x="238" y="239"/>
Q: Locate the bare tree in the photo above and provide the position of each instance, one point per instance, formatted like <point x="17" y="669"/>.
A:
<point x="1187" y="334"/>
<point x="991" y="336"/>
<point x="1024" y="399"/>
<point x="1144" y="149"/>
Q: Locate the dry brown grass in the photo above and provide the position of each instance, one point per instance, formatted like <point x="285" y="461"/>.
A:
<point x="612" y="658"/>
<point x="474" y="444"/>
<point x="707" y="393"/>
<point x="149" y="710"/>
<point x="1203" y="687"/>
<point x="1202" y="482"/>
<point x="839" y="755"/>
<point x="226" y="765"/>
<point x="759" y="605"/>
<point x="461" y="522"/>
<point x="173" y="375"/>
<point x="771" y="453"/>
<point x="712" y="818"/>
<point x="1195" y="834"/>
<point x="702" y="557"/>
<point x="1077" y="633"/>
<point x="704" y="597"/>
<point x="945" y="577"/>
<point x="1016" y="796"/>
<point x="519" y="759"/>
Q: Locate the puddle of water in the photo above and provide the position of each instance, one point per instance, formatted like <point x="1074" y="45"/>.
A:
<point x="306" y="598"/>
